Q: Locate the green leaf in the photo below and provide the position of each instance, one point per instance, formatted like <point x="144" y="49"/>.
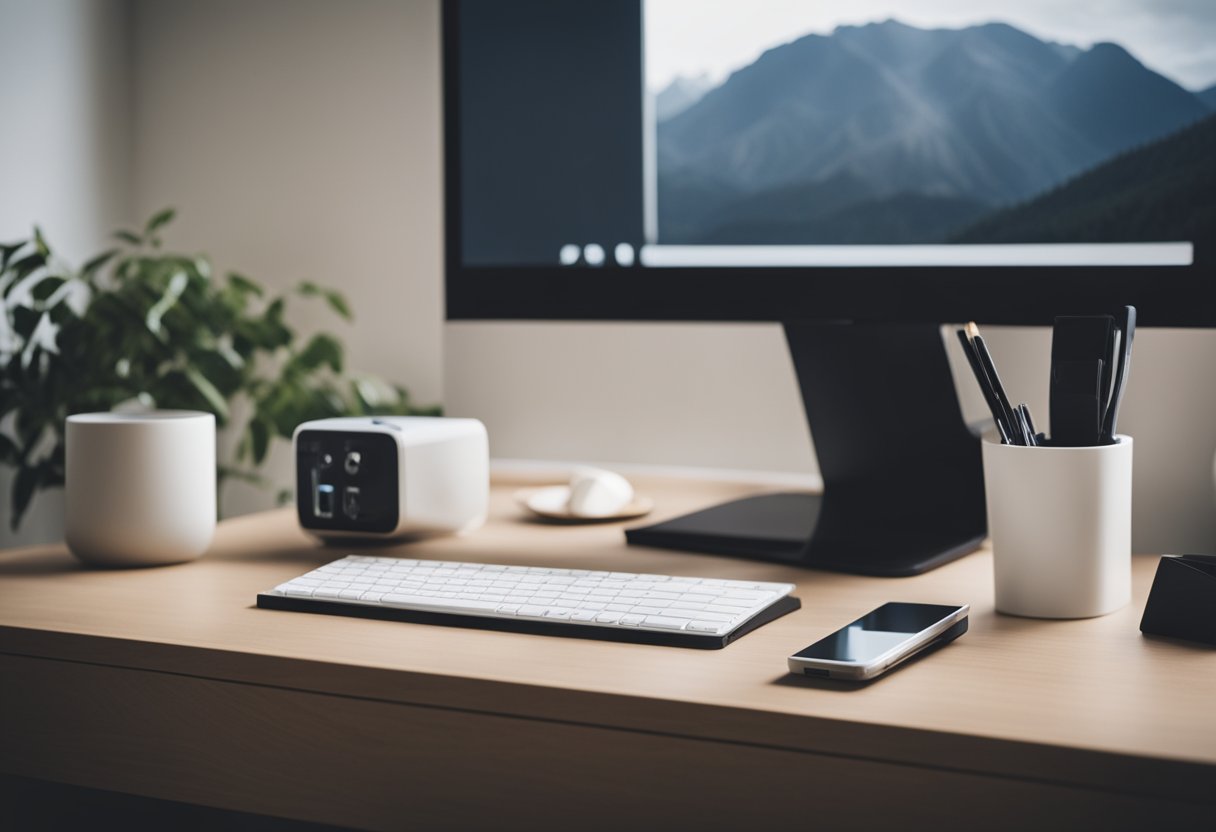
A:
<point x="46" y="287"/>
<point x="129" y="237"/>
<point x="219" y="370"/>
<point x="24" y="486"/>
<point x="7" y="251"/>
<point x="25" y="320"/>
<point x="207" y="390"/>
<point x="8" y="450"/>
<point x="173" y="292"/>
<point x="259" y="433"/>
<point x="25" y="267"/>
<point x="97" y="262"/>
<point x="40" y="243"/>
<point x="244" y="284"/>
<point x="338" y="303"/>
<point x="333" y="298"/>
<point x="322" y="350"/>
<point x="158" y="219"/>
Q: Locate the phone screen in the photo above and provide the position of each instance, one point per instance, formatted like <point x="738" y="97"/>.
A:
<point x="876" y="632"/>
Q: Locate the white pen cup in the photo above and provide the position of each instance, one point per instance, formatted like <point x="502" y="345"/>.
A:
<point x="1060" y="520"/>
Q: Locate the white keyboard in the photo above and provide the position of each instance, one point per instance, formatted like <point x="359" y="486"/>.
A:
<point x="621" y="606"/>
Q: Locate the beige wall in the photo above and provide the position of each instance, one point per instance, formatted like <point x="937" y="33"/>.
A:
<point x="725" y="396"/>
<point x="64" y="151"/>
<point x="300" y="139"/>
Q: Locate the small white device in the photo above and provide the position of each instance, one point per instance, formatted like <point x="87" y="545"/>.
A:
<point x="617" y="606"/>
<point x="391" y="476"/>
<point x="880" y="640"/>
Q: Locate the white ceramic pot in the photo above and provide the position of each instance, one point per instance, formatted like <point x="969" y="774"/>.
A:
<point x="1061" y="527"/>
<point x="140" y="487"/>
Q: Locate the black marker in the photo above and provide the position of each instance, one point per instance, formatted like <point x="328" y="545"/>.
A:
<point x="999" y="391"/>
<point x="981" y="379"/>
<point x="1121" y="372"/>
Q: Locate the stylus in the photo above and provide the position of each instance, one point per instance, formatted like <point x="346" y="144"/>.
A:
<point x="981" y="379"/>
<point x="1121" y="372"/>
<point x="998" y="390"/>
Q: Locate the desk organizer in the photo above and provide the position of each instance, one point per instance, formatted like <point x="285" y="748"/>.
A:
<point x="1182" y="602"/>
<point x="1061" y="526"/>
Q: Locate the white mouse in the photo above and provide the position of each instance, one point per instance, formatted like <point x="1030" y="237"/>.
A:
<point x="595" y="492"/>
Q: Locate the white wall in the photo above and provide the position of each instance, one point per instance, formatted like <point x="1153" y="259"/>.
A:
<point x="300" y="139"/>
<point x="64" y="153"/>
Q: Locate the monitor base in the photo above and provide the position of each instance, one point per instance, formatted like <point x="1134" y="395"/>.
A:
<point x="903" y="482"/>
<point x="779" y="528"/>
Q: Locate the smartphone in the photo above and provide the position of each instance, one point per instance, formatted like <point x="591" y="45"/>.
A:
<point x="880" y="640"/>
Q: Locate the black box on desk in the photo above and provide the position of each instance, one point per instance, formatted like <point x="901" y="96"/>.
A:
<point x="1182" y="602"/>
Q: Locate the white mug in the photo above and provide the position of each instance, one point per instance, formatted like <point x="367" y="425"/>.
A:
<point x="140" y="487"/>
<point x="1061" y="527"/>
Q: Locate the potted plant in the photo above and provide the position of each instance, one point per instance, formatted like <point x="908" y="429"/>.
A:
<point x="140" y="327"/>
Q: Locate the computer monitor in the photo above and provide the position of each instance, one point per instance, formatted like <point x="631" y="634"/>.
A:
<point x="859" y="172"/>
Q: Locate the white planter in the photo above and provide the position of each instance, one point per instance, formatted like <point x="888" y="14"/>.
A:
<point x="140" y="487"/>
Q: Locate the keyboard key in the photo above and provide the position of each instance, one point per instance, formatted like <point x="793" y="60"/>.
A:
<point x="664" y="623"/>
<point x="704" y="626"/>
<point x="531" y="609"/>
<point x="446" y="603"/>
<point x="632" y="620"/>
<point x="702" y="615"/>
<point x="687" y="605"/>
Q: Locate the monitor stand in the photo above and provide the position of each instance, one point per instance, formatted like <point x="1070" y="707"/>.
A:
<point x="903" y="488"/>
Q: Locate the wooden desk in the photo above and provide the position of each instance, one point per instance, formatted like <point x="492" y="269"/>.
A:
<point x="170" y="683"/>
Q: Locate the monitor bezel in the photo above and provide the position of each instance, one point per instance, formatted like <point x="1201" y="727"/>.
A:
<point x="1165" y="296"/>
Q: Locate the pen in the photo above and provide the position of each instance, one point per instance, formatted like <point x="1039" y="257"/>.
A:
<point x="982" y="380"/>
<point x="1027" y="424"/>
<point x="998" y="390"/>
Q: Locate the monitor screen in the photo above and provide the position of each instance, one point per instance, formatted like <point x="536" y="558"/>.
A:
<point x="700" y="136"/>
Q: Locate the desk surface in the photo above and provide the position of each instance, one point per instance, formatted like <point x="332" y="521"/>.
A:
<point x="1090" y="702"/>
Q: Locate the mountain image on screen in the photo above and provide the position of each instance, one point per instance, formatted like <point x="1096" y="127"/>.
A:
<point x="887" y="133"/>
